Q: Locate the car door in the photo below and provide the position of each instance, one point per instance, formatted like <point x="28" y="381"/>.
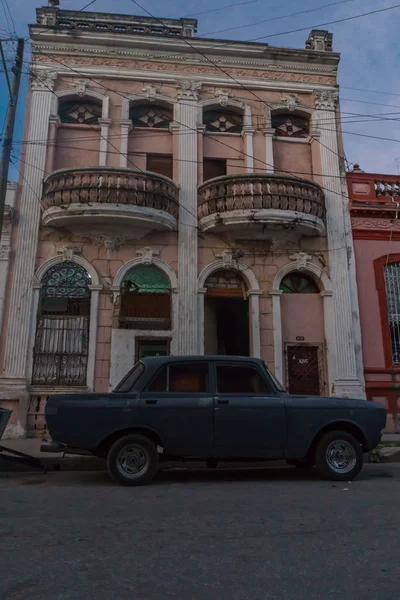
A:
<point x="249" y="415"/>
<point x="178" y="404"/>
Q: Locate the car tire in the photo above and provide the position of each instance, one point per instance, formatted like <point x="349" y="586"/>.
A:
<point x="338" y="456"/>
<point x="133" y="460"/>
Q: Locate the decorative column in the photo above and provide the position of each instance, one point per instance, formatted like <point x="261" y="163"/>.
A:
<point x="126" y="126"/>
<point x="248" y="133"/>
<point x="54" y="123"/>
<point x="269" y="149"/>
<point x="187" y="116"/>
<point x="277" y="321"/>
<point x="29" y="219"/>
<point x="254" y="306"/>
<point x="347" y="382"/>
<point x="201" y="130"/>
<point x="105" y="124"/>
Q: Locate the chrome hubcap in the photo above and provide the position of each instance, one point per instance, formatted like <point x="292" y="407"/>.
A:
<point x="341" y="456"/>
<point x="133" y="461"/>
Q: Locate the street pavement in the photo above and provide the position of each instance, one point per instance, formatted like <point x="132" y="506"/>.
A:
<point x="261" y="534"/>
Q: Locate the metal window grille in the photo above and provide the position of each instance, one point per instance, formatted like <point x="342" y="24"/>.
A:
<point x="392" y="283"/>
<point x="60" y="354"/>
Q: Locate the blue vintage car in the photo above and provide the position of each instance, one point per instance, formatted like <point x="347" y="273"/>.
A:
<point x="211" y="408"/>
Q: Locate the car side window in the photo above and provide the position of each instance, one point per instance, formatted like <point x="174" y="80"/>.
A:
<point x="241" y="379"/>
<point x="181" y="378"/>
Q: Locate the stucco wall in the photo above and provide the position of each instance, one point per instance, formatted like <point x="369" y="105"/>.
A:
<point x="293" y="157"/>
<point x="77" y="146"/>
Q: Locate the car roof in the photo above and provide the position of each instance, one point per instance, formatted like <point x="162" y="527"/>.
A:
<point x="155" y="360"/>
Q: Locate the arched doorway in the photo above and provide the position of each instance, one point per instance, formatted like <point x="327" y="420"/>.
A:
<point x="226" y="314"/>
<point x="61" y="348"/>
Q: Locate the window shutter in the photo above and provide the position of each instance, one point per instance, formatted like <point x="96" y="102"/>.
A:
<point x="213" y="167"/>
<point x="160" y="163"/>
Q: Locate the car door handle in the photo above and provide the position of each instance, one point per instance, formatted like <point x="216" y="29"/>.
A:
<point x="223" y="401"/>
<point x="150" y="401"/>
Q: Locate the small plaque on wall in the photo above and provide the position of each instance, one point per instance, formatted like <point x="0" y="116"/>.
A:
<point x="300" y="338"/>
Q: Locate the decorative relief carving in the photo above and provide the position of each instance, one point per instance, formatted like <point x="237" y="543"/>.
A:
<point x="326" y="99"/>
<point x="223" y="97"/>
<point x="151" y="92"/>
<point x="43" y="81"/>
<point x="188" y="89"/>
<point x="4" y="252"/>
<point x="378" y="224"/>
<point x="228" y="258"/>
<point x="320" y="40"/>
<point x="291" y="101"/>
<point x="80" y="87"/>
<point x="268" y="72"/>
<point x="147" y="255"/>
<point x="301" y="259"/>
<point x="68" y="251"/>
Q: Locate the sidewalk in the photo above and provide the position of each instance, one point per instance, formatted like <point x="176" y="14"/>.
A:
<point x="72" y="462"/>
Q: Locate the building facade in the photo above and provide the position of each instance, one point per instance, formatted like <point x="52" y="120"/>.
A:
<point x="375" y="206"/>
<point x="177" y="195"/>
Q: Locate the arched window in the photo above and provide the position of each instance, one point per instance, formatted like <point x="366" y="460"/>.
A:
<point x="145" y="299"/>
<point x="297" y="283"/>
<point x="83" y="112"/>
<point x="154" y="116"/>
<point x="289" y="125"/>
<point x="392" y="284"/>
<point x="223" y="121"/>
<point x="61" y="348"/>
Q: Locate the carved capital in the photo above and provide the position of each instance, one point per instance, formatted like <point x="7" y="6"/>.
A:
<point x="301" y="259"/>
<point x="188" y="89"/>
<point x="68" y="251"/>
<point x="147" y="255"/>
<point x="291" y="101"/>
<point x="43" y="81"/>
<point x="326" y="99"/>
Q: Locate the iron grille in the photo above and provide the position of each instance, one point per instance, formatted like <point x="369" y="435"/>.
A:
<point x="305" y="370"/>
<point x="392" y="282"/>
<point x="61" y="348"/>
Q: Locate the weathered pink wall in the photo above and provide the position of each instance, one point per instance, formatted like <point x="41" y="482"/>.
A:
<point x="77" y="146"/>
<point x="293" y="158"/>
<point x="226" y="146"/>
<point x="366" y="251"/>
<point x="144" y="141"/>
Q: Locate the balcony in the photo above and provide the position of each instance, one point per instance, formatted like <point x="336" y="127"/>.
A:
<point x="107" y="199"/>
<point x="253" y="204"/>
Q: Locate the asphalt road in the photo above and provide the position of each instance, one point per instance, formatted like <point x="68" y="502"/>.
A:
<point x="210" y="535"/>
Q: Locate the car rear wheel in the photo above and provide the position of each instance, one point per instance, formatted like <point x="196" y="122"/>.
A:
<point x="133" y="460"/>
<point x="339" y="456"/>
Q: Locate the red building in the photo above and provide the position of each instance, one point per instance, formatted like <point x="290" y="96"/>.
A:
<point x="375" y="217"/>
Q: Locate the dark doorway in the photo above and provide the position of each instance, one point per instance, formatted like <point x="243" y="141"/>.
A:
<point x="305" y="370"/>
<point x="227" y="326"/>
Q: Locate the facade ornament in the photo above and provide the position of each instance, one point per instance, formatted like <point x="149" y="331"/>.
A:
<point x="110" y="243"/>
<point x="228" y="258"/>
<point x="326" y="99"/>
<point x="147" y="255"/>
<point x="151" y="92"/>
<point x="320" y="41"/>
<point x="301" y="259"/>
<point x="284" y="242"/>
<point x="43" y="81"/>
<point x="223" y="97"/>
<point x="291" y="101"/>
<point x="80" y="88"/>
<point x="188" y="89"/>
<point x="4" y="252"/>
<point x="68" y="251"/>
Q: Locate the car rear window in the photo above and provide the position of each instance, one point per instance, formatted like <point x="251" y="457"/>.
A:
<point x="241" y="379"/>
<point x="131" y="378"/>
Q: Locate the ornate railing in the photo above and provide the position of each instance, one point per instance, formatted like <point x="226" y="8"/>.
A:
<point x="104" y="185"/>
<point x="257" y="192"/>
<point x="385" y="187"/>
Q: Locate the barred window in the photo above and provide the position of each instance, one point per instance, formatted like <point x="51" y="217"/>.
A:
<point x="145" y="299"/>
<point x="288" y="125"/>
<point x="223" y="121"/>
<point x="392" y="284"/>
<point x="153" y="116"/>
<point x="84" y="113"/>
<point x="297" y="283"/>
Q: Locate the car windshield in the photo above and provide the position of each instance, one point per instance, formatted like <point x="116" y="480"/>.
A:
<point x="131" y="378"/>
<point x="277" y="383"/>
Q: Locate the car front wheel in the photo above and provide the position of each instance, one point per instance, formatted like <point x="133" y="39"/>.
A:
<point x="338" y="456"/>
<point x="132" y="460"/>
